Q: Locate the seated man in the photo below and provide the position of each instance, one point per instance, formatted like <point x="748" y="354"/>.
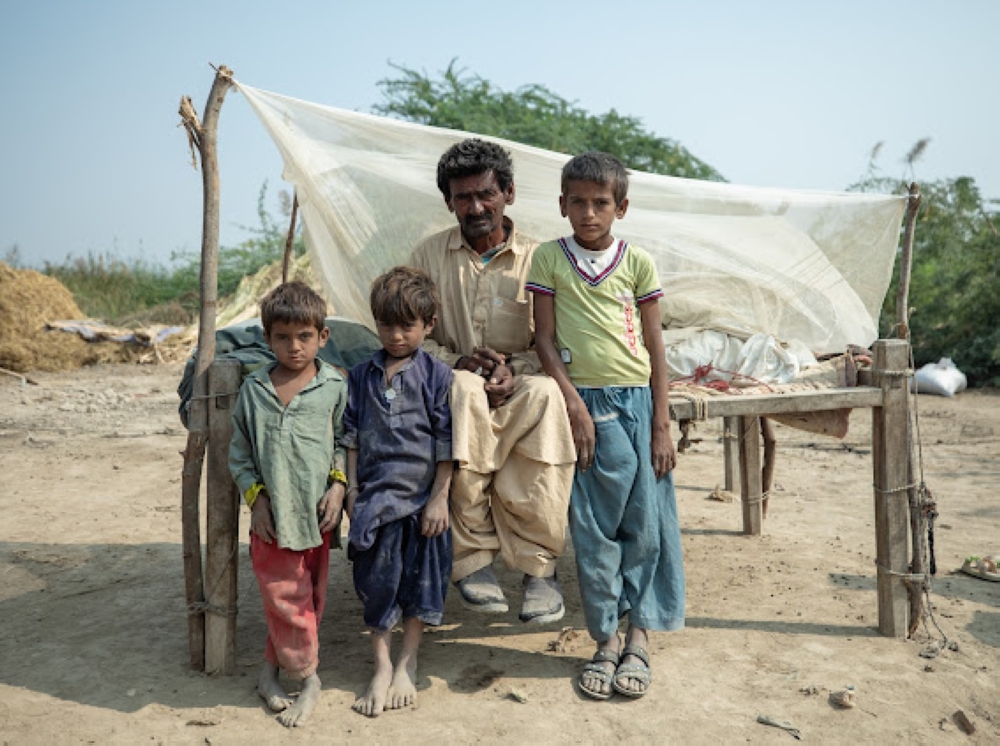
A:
<point x="510" y="434"/>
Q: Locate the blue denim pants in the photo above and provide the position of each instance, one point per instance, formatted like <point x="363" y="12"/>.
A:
<point x="623" y="521"/>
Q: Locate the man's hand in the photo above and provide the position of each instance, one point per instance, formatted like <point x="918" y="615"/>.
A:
<point x="261" y="520"/>
<point x="483" y="362"/>
<point x="584" y="436"/>
<point x="434" y="520"/>
<point x="501" y="385"/>
<point x="330" y="507"/>
<point x="662" y="449"/>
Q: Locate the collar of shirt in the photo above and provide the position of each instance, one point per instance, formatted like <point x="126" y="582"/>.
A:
<point x="378" y="359"/>
<point x="324" y="372"/>
<point x="457" y="241"/>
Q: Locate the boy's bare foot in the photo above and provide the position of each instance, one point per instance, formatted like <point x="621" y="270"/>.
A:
<point x="372" y="702"/>
<point x="403" y="689"/>
<point x="270" y="690"/>
<point x="633" y="675"/>
<point x="298" y="714"/>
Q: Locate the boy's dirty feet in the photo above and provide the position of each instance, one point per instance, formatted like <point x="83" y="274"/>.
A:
<point x="372" y="702"/>
<point x="595" y="681"/>
<point x="270" y="690"/>
<point x="403" y="690"/>
<point x="298" y="714"/>
<point x="633" y="675"/>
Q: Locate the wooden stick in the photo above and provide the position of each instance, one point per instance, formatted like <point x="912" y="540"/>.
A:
<point x="24" y="379"/>
<point x="890" y="448"/>
<point x="770" y="454"/>
<point x="204" y="136"/>
<point x="290" y="239"/>
<point x="903" y="289"/>
<point x="730" y="452"/>
<point x="749" y="448"/>
<point x="221" y="523"/>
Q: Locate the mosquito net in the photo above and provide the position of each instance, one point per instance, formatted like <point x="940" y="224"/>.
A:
<point x="809" y="267"/>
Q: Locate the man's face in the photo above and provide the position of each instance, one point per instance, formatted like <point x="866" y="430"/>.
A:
<point x="478" y="203"/>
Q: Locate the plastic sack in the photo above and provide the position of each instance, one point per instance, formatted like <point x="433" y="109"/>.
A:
<point x="942" y="378"/>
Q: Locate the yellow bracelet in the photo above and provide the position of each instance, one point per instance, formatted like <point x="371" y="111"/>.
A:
<point x="251" y="494"/>
<point x="336" y="475"/>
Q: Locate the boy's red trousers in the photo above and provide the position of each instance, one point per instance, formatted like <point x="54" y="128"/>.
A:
<point x="293" y="588"/>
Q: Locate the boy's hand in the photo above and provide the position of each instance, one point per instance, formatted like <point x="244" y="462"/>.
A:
<point x="584" y="436"/>
<point x="352" y="497"/>
<point x="261" y="521"/>
<point x="434" y="521"/>
<point x="330" y="507"/>
<point x="662" y="449"/>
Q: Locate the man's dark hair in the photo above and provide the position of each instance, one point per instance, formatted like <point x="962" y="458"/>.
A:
<point x="293" y="303"/>
<point x="473" y="157"/>
<point x="601" y="168"/>
<point x="403" y="295"/>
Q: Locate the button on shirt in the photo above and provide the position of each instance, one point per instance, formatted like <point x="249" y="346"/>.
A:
<point x="290" y="450"/>
<point x="483" y="304"/>
<point x="401" y="430"/>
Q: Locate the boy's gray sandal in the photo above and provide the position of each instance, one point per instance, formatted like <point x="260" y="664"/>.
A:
<point x="633" y="671"/>
<point x="595" y="669"/>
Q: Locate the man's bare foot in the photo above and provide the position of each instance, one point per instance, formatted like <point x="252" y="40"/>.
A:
<point x="298" y="714"/>
<point x="270" y="690"/>
<point x="403" y="689"/>
<point x="372" y="702"/>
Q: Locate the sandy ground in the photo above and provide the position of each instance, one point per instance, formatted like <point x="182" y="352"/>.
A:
<point x="93" y="633"/>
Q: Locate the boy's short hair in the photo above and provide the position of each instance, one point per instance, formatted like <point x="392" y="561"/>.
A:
<point x="403" y="295"/>
<point x="293" y="303"/>
<point x="473" y="157"/>
<point x="602" y="168"/>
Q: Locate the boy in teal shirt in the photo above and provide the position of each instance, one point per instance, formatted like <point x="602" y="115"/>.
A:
<point x="597" y="333"/>
<point x="287" y="462"/>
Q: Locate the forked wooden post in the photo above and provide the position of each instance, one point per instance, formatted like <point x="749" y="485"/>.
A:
<point x="890" y="452"/>
<point x="202" y="136"/>
<point x="222" y="523"/>
<point x="750" y="485"/>
<point x="730" y="452"/>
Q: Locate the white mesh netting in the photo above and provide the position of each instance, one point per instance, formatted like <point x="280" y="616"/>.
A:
<point x="811" y="267"/>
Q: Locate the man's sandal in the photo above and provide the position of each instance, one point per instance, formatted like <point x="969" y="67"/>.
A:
<point x="595" y="669"/>
<point x="638" y="673"/>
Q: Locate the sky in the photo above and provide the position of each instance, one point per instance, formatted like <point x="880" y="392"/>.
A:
<point x="770" y="93"/>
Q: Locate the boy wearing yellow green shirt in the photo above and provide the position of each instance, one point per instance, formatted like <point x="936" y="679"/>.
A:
<point x="597" y="333"/>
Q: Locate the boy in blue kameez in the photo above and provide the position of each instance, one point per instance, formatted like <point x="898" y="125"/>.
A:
<point x="397" y="430"/>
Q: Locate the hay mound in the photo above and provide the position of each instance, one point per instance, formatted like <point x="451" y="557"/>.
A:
<point x="28" y="301"/>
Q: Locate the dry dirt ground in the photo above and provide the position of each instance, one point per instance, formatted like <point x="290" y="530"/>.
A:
<point x="93" y="632"/>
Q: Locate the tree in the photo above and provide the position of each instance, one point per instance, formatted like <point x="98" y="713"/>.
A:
<point x="532" y="115"/>
<point x="955" y="280"/>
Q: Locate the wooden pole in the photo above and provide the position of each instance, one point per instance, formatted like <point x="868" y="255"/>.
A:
<point x="730" y="452"/>
<point x="222" y="522"/>
<point x="202" y="135"/>
<point x="903" y="289"/>
<point x="890" y="451"/>
<point x="750" y="492"/>
<point x="290" y="239"/>
<point x="770" y="456"/>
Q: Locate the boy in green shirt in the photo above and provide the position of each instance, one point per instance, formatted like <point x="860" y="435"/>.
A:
<point x="287" y="462"/>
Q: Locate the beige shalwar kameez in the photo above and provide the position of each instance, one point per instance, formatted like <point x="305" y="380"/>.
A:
<point x="511" y="492"/>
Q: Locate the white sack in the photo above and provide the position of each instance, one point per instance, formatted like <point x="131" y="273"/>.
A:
<point x="942" y="378"/>
<point x="810" y="266"/>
